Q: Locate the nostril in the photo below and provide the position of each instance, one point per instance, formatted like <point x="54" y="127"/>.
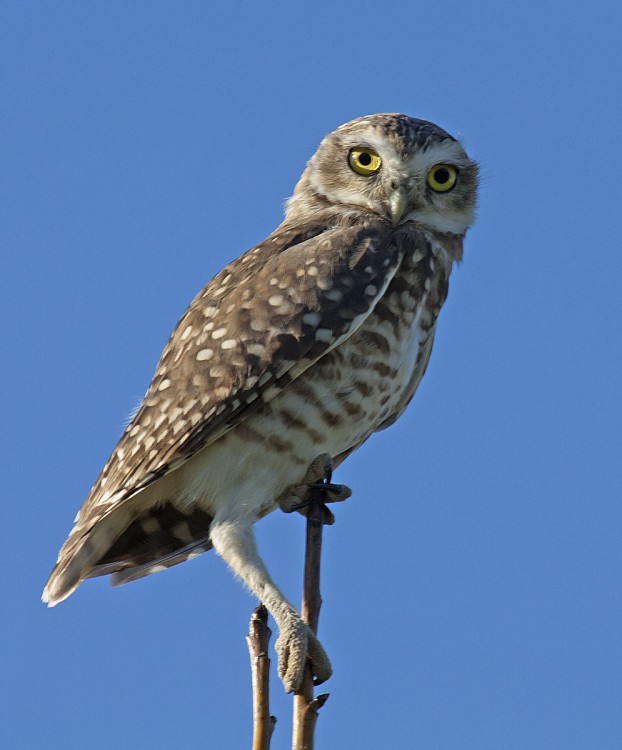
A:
<point x="394" y="185"/>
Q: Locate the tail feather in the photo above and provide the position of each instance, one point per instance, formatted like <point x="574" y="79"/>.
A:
<point x="121" y="573"/>
<point x="83" y="548"/>
<point x="128" y="548"/>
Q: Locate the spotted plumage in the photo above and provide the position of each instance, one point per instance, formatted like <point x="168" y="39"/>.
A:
<point x="304" y="345"/>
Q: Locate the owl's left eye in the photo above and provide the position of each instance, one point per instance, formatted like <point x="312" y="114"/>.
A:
<point x="442" y="177"/>
<point x="364" y="161"/>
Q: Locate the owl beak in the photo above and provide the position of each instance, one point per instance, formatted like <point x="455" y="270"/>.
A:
<point x="398" y="204"/>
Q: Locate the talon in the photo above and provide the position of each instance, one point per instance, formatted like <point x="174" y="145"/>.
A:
<point x="321" y="469"/>
<point x="320" y="663"/>
<point x="318" y="477"/>
<point x="335" y="493"/>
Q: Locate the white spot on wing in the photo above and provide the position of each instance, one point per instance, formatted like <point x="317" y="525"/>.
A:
<point x="334" y="295"/>
<point x="311" y="318"/>
<point x="324" y="334"/>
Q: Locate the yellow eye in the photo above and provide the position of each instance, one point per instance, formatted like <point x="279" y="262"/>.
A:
<point x="364" y="161"/>
<point x="442" y="177"/>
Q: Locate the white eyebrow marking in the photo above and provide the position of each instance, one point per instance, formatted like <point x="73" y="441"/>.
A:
<point x="445" y="151"/>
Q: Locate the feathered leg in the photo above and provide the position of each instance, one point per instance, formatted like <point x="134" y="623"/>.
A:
<point x="234" y="541"/>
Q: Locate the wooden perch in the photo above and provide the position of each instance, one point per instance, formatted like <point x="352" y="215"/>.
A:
<point x="257" y="640"/>
<point x="306" y="707"/>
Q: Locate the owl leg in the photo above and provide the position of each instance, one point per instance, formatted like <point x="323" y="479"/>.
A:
<point x="297" y="496"/>
<point x="234" y="541"/>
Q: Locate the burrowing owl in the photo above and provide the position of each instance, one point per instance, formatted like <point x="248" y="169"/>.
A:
<point x="304" y="345"/>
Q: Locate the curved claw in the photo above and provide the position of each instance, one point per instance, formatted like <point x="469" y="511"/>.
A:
<point x="320" y="663"/>
<point x="321" y="469"/>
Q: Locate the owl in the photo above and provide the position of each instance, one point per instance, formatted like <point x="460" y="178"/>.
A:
<point x="304" y="346"/>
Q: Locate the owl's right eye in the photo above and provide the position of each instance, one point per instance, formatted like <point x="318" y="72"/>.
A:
<point x="364" y="161"/>
<point x="442" y="177"/>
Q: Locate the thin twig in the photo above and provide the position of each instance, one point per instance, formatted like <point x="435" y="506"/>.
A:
<point x="306" y="707"/>
<point x="257" y="640"/>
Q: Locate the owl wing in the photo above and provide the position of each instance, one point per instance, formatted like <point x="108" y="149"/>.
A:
<point x="256" y="326"/>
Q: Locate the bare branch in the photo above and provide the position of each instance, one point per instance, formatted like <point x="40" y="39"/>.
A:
<point x="306" y="707"/>
<point x="257" y="640"/>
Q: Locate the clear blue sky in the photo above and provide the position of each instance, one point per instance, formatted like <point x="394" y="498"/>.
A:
<point x="472" y="594"/>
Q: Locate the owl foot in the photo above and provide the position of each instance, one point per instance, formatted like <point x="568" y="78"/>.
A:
<point x="295" y="643"/>
<point x="318" y="476"/>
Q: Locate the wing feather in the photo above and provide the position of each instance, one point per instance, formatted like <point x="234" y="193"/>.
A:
<point x="260" y="323"/>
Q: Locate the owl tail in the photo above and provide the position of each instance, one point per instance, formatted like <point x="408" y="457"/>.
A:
<point x="128" y="548"/>
<point x="82" y="550"/>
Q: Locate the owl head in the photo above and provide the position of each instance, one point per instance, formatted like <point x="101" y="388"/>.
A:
<point x="393" y="166"/>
